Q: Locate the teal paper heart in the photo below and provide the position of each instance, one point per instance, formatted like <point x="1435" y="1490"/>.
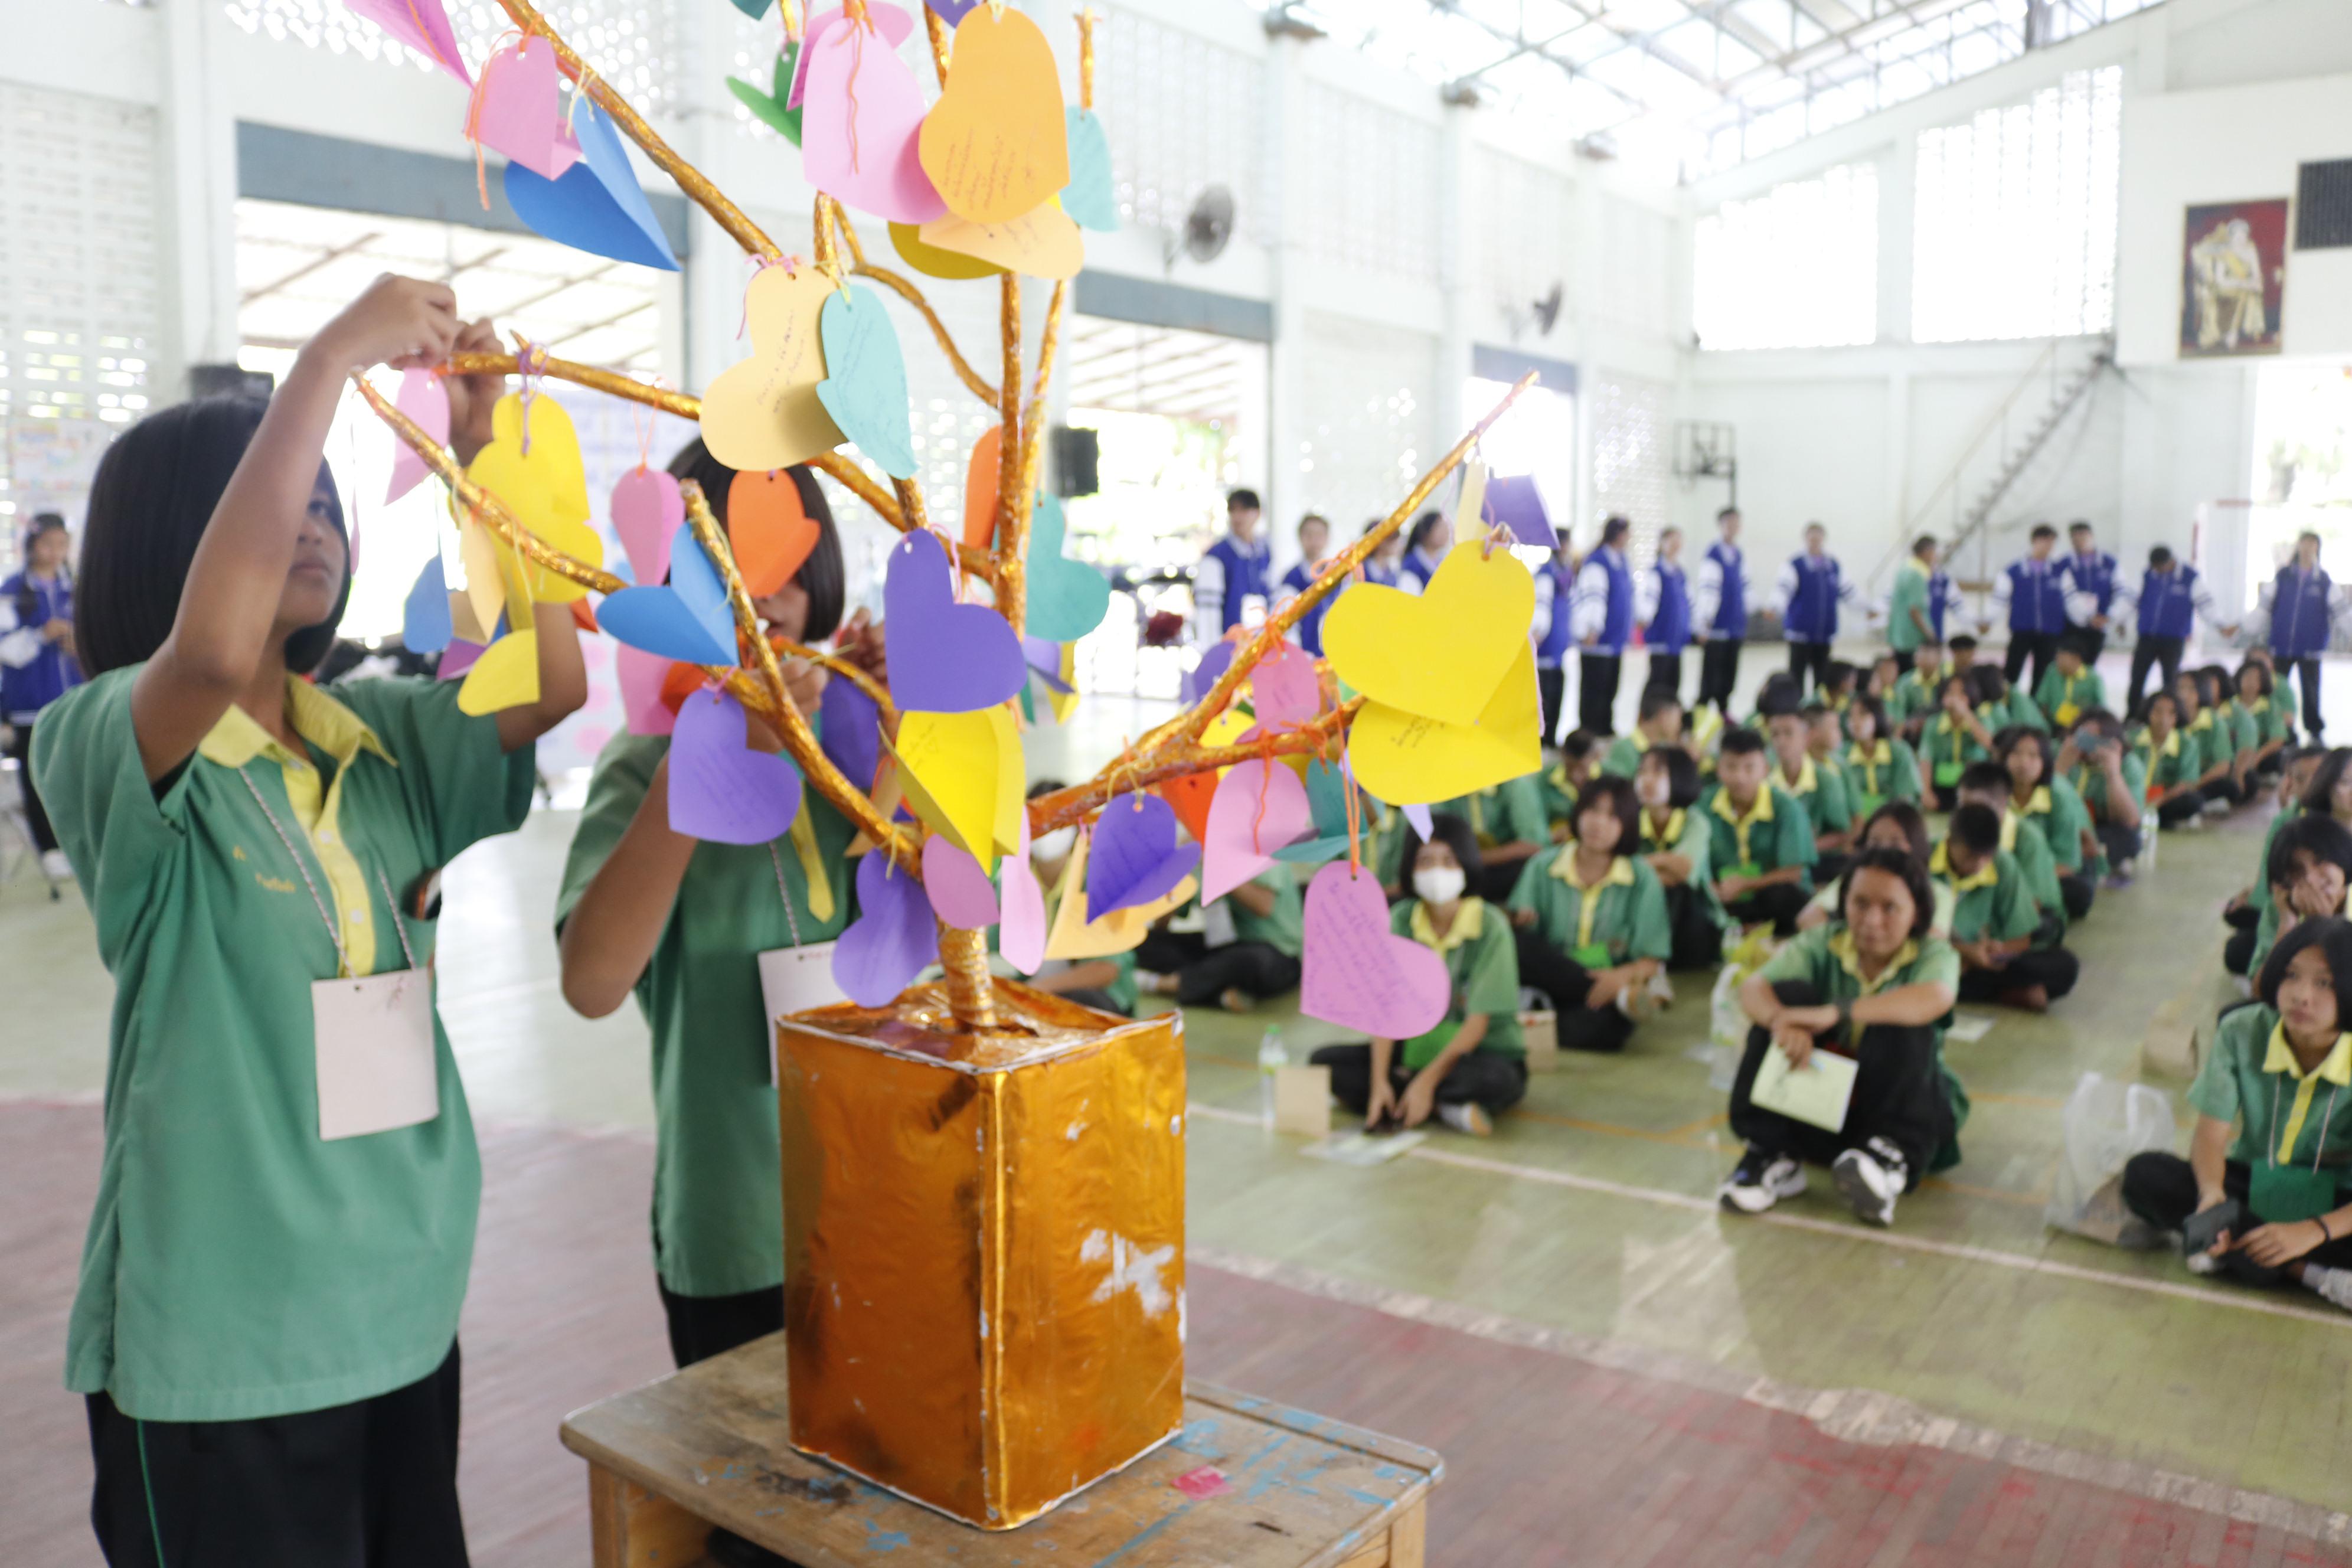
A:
<point x="1089" y="199"/>
<point x="1067" y="599"/>
<point x="1326" y="799"/>
<point x="865" y="385"/>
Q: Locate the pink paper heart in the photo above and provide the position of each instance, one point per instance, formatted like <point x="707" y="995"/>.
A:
<point x="1285" y="691"/>
<point x="1021" y="928"/>
<point x="861" y="127"/>
<point x="959" y="890"/>
<point x="648" y="511"/>
<point x="1242" y="840"/>
<point x="1355" y="972"/>
<point x="641" y="675"/>
<point x="721" y="790"/>
<point x="897" y="29"/>
<point x="424" y="397"/>
<point x="421" y="25"/>
<point x="521" y="109"/>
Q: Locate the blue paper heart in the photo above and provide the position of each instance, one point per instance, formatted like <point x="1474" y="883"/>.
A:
<point x="1134" y="857"/>
<point x="850" y="731"/>
<point x="1089" y="197"/>
<point x="688" y="620"/>
<point x="864" y="388"/>
<point x="425" y="625"/>
<point x="945" y="657"/>
<point x="1513" y="500"/>
<point x="1067" y="599"/>
<point x="597" y="206"/>
<point x="891" y="940"/>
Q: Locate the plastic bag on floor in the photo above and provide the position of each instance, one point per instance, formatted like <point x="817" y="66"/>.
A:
<point x="1727" y="1038"/>
<point x="2106" y="1123"/>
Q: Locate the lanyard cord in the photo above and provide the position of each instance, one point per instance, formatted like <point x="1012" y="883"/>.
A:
<point x="784" y="893"/>
<point x="334" y="931"/>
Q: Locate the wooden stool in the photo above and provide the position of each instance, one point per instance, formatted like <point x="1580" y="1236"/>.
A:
<point x="707" y="1446"/>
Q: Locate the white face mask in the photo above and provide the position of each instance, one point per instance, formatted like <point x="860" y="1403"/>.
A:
<point x="1439" y="884"/>
<point x="1054" y="846"/>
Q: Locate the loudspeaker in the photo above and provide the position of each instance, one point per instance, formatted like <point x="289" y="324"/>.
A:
<point x="229" y="381"/>
<point x="1077" y="461"/>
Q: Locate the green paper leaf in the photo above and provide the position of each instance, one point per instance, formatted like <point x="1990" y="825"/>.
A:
<point x="770" y="106"/>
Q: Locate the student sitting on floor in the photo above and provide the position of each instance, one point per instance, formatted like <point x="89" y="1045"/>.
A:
<point x="2235" y="728"/>
<point x="1559" y="784"/>
<point x="1837" y="686"/>
<point x="2042" y="795"/>
<point x="2217" y="781"/>
<point x="1675" y="844"/>
<point x="1825" y="742"/>
<point x="2071" y="686"/>
<point x="1876" y="985"/>
<point x="2112" y="782"/>
<point x="2302" y="876"/>
<point x="1894" y="825"/>
<point x="1957" y="736"/>
<point x="1879" y="766"/>
<point x="1474" y="1066"/>
<point x="2174" y="763"/>
<point x="1592" y="933"/>
<point x="1987" y="784"/>
<point x="1761" y="851"/>
<point x="1917" y="693"/>
<point x="2243" y="913"/>
<point x="2261" y="723"/>
<point x="1963" y="648"/>
<point x="1999" y="703"/>
<point x="1104" y="984"/>
<point x="2274" y="1136"/>
<point x="1247" y="952"/>
<point x="1509" y="820"/>
<point x="1660" y="724"/>
<point x="1820" y="789"/>
<point x="1994" y="919"/>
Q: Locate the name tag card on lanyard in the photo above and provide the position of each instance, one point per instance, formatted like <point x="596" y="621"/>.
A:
<point x="793" y="979"/>
<point x="371" y="1035"/>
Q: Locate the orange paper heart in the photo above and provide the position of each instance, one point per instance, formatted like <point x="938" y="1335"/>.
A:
<point x="980" y="487"/>
<point x="770" y="531"/>
<point x="1190" y="794"/>
<point x="997" y="144"/>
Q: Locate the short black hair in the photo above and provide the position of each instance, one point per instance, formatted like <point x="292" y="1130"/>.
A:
<point x="2110" y="727"/>
<point x="1907" y="817"/>
<point x="1924" y="543"/>
<point x="1977" y="828"/>
<point x="1579" y="745"/>
<point x="2313" y="834"/>
<point x="1987" y="684"/>
<point x="1623" y="805"/>
<point x="1988" y="776"/>
<point x="1814" y="712"/>
<point x="1615" y="527"/>
<point x="1452" y="831"/>
<point x="2082" y="644"/>
<point x="1865" y="703"/>
<point x="1742" y="741"/>
<point x="1780" y="693"/>
<point x="2043" y="531"/>
<point x="1961" y="644"/>
<point x="1656" y="699"/>
<point x="2080" y="525"/>
<point x="2333" y="937"/>
<point x="2161" y="694"/>
<point x="1909" y="868"/>
<point x="1242" y="497"/>
<point x="1424" y="525"/>
<point x="2159" y="558"/>
<point x="1314" y="517"/>
<point x="2270" y="677"/>
<point x="821" y="576"/>
<point x="2318" y="798"/>
<point x="1682" y="774"/>
<point x="150" y="503"/>
<point x="2018" y="735"/>
<point x="1727" y="512"/>
<point x="1837" y="675"/>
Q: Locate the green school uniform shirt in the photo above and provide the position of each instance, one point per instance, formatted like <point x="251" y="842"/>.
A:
<point x="1482" y="959"/>
<point x="1912" y="697"/>
<point x="2017" y="707"/>
<point x="2283" y="1114"/>
<point x="1559" y="797"/>
<point x="2245" y="730"/>
<point x="2091" y="784"/>
<point x="2058" y="810"/>
<point x="2024" y="839"/>
<point x="2065" y="700"/>
<point x="1684" y="832"/>
<point x="1624" y="912"/>
<point x="236" y="1265"/>
<point x="717" y="1210"/>
<point x="1993" y="903"/>
<point x="1949" y="748"/>
<point x="1283" y="927"/>
<point x="1775" y="832"/>
<point x="1386" y="853"/>
<point x="2180" y="761"/>
<point x="1510" y="812"/>
<point x="1902" y="634"/>
<point x="2267" y="928"/>
<point x="1819" y="788"/>
<point x="2215" y="740"/>
<point x="1623" y="759"/>
<point x="1887" y="770"/>
<point x="2270" y="721"/>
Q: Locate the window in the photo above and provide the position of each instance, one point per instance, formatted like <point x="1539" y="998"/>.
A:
<point x="2015" y="235"/>
<point x="1794" y="268"/>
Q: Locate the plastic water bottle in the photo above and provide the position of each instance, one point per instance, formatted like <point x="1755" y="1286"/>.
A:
<point x="1271" y="1058"/>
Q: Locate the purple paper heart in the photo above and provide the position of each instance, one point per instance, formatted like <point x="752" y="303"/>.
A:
<point x="1355" y="972"/>
<point x="457" y="659"/>
<point x="1134" y="857"/>
<point x="721" y="790"/>
<point x="1044" y="657"/>
<point x="961" y="891"/>
<point x="1514" y="501"/>
<point x="891" y="940"/>
<point x="1259" y="807"/>
<point x="945" y="657"/>
<point x="952" y="11"/>
<point x="1419" y="816"/>
<point x="851" y="731"/>
<point x="1204" y="674"/>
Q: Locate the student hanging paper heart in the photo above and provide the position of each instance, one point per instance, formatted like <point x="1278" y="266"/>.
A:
<point x="647" y="510"/>
<point x="851" y="731"/>
<point x="518" y="108"/>
<point x="688" y="619"/>
<point x="945" y="657"/>
<point x="1327" y="799"/>
<point x="1021" y="925"/>
<point x="1355" y="972"/>
<point x="532" y="465"/>
<point x="995" y="143"/>
<point x="1442" y="654"/>
<point x="770" y="106"/>
<point x="1043" y="243"/>
<point x="769" y="528"/>
<point x="932" y="262"/>
<point x="721" y="791"/>
<point x="642" y="677"/>
<point x="424" y="398"/>
<point x="864" y="388"/>
<point x="1136" y="855"/>
<point x="597" y="206"/>
<point x="861" y="123"/>
<point x="1259" y="807"/>
<point x="959" y="887"/>
<point x="505" y="675"/>
<point x="1405" y="759"/>
<point x="763" y="412"/>
<point x="425" y="625"/>
<point x="893" y="938"/>
<point x="1067" y="599"/>
<point x="423" y="26"/>
<point x="1089" y="197"/>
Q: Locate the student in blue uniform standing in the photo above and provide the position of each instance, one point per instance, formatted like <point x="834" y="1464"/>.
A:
<point x="1382" y="565"/>
<point x="1554" y="629"/>
<point x="1663" y="608"/>
<point x="266" y="1324"/>
<point x="1425" y="549"/>
<point x="1812" y="588"/>
<point x="37" y="664"/>
<point x="2304" y="605"/>
<point x="1720" y="613"/>
<point x="2091" y="582"/>
<point x="1314" y="544"/>
<point x="2032" y="589"/>
<point x="1234" y="572"/>
<point x="1603" y="617"/>
<point x="2165" y="607"/>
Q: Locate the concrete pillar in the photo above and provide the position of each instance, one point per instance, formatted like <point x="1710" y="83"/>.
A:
<point x="1286" y="136"/>
<point x="198" y="205"/>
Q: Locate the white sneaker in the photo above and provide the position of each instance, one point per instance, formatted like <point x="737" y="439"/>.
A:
<point x="1759" y="1181"/>
<point x="1469" y="1118"/>
<point x="2203" y="1263"/>
<point x="1870" y="1178"/>
<point x="1662" y="989"/>
<point x="2333" y="1285"/>
<point x="55" y="867"/>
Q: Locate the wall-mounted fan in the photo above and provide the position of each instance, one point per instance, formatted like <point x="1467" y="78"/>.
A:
<point x="1208" y="228"/>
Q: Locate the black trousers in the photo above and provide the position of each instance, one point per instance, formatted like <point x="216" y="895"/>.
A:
<point x="36" y="817"/>
<point x="2053" y="969"/>
<point x="1496" y="878"/>
<point x="1551" y="689"/>
<point x="1898" y="1095"/>
<point x="1567" y="983"/>
<point x="2040" y="647"/>
<point x="1830" y="865"/>
<point x="2238" y="953"/>
<point x="1904" y="657"/>
<point x="1597" y="675"/>
<point x="2306" y="678"/>
<point x="2123" y="845"/>
<point x="2180" y="809"/>
<point x="1665" y="671"/>
<point x="373" y="1484"/>
<point x="1809" y="662"/>
<point x="1490" y="1080"/>
<point x="701" y="1327"/>
<point x="1203" y="973"/>
<point x="1698" y="941"/>
<point x="2162" y="1188"/>
<point x="1718" y="672"/>
<point x="2077" y="890"/>
<point x="2153" y="652"/>
<point x="1781" y="904"/>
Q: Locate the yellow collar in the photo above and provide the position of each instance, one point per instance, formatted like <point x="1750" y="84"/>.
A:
<point x="1673" y="833"/>
<point x="2335" y="1067"/>
<point x="1468" y="920"/>
<point x="1808" y="781"/>
<point x="2038" y="803"/>
<point x="1843" y="948"/>
<point x="1882" y="754"/>
<point x="1760" y="812"/>
<point x="2171" y="747"/>
<point x="238" y="737"/>
<point x="2259" y="706"/>
<point x="1911" y="565"/>
<point x="1641" y="743"/>
<point x="1619" y="875"/>
<point x="2202" y="722"/>
<point x="1985" y="876"/>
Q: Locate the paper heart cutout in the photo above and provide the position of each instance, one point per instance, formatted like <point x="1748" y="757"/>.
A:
<point x="755" y="9"/>
<point x="484" y="556"/>
<point x="534" y="466"/>
<point x="1515" y="501"/>
<point x="995" y="143"/>
<point x="952" y="11"/>
<point x="768" y="529"/>
<point x="424" y="624"/>
<point x="689" y="620"/>
<point x="932" y="262"/>
<point x="1043" y="243"/>
<point x="1074" y="936"/>
<point x="1417" y="814"/>
<point x="861" y="124"/>
<point x="959" y="887"/>
<point x="1021" y="921"/>
<point x="1089" y="197"/>
<point x="1326" y="802"/>
<point x="1469" y="502"/>
<point x="422" y="25"/>
<point x="1190" y="795"/>
<point x="1440" y="655"/>
<point x="1405" y="759"/>
<point x="864" y="388"/>
<point x="1045" y="656"/>
<point x="1067" y="598"/>
<point x="1355" y="972"/>
<point x="763" y="412"/>
<point x="1136" y="857"/>
<point x="897" y="27"/>
<point x="597" y="206"/>
<point x="850" y="731"/>
<point x="504" y="675"/>
<point x="518" y="108"/>
<point x="1259" y="807"/>
<point x="648" y="512"/>
<point x="1285" y="692"/>
<point x="642" y="676"/>
<point x="952" y="765"/>
<point x="892" y="939"/>
<point x="425" y="398"/>
<point x="721" y="790"/>
<point x="945" y="657"/>
<point x="774" y="107"/>
<point x="981" y="473"/>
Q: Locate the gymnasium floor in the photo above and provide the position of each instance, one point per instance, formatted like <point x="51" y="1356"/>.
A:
<point x="1617" y="1372"/>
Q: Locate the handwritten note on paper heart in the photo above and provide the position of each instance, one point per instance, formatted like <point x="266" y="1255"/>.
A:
<point x="505" y="676"/>
<point x="688" y="620"/>
<point x="892" y="939"/>
<point x="1067" y="598"/>
<point x="1021" y="922"/>
<point x="932" y="262"/>
<point x="425" y="625"/>
<point x="763" y="412"/>
<point x="425" y="399"/>
<point x="995" y="144"/>
<point x="851" y="733"/>
<point x="769" y="527"/>
<point x="597" y="206"/>
<point x="945" y="657"/>
<point x="1515" y="502"/>
<point x="423" y="26"/>
<point x="1259" y="807"/>
<point x="960" y="892"/>
<point x="776" y="108"/>
<point x="721" y="790"/>
<point x="864" y="388"/>
<point x="1355" y="972"/>
<point x="947" y="762"/>
<point x="861" y="125"/>
<point x="647" y="510"/>
<point x="1089" y="199"/>
<point x="520" y="108"/>
<point x="1043" y="243"/>
<point x="1441" y="655"/>
<point x="641" y="676"/>
<point x="1136" y="855"/>
<point x="1405" y="759"/>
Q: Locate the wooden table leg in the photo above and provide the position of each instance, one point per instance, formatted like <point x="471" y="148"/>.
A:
<point x="1404" y="1546"/>
<point x="633" y="1527"/>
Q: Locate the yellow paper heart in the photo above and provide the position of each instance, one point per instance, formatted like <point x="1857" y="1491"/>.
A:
<point x="953" y="772"/>
<point x="546" y="488"/>
<point x="1065" y="703"/>
<point x="1440" y="656"/>
<point x="1044" y="244"/>
<point x="932" y="262"/>
<point x="1012" y="781"/>
<point x="463" y="625"/>
<point x="1468" y="507"/>
<point x="764" y="413"/>
<point x="486" y="588"/>
<point x="1407" y="760"/>
<point x="997" y="144"/>
<point x="1074" y="936"/>
<point x="505" y="675"/>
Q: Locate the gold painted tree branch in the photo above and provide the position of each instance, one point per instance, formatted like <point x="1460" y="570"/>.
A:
<point x="1012" y="542"/>
<point x="683" y="405"/>
<point x="906" y="289"/>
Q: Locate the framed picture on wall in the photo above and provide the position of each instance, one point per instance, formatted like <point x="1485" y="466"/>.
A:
<point x="2233" y="279"/>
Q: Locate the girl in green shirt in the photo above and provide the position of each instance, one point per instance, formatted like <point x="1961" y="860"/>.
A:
<point x="2044" y="797"/>
<point x="2196" y="696"/>
<point x="267" y="1322"/>
<point x="2246" y="908"/>
<point x="1676" y="844"/>
<point x="1879" y="766"/>
<point x="1957" y="736"/>
<point x="2304" y="876"/>
<point x="2262" y="724"/>
<point x="1591" y="923"/>
<point x="2175" y="763"/>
